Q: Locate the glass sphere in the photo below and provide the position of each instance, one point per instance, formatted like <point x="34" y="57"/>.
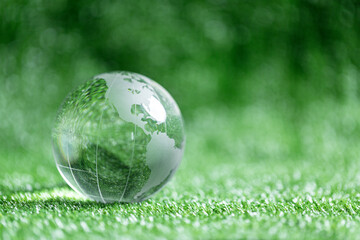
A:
<point x="118" y="138"/>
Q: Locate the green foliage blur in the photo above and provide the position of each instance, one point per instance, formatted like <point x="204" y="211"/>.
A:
<point x="208" y="54"/>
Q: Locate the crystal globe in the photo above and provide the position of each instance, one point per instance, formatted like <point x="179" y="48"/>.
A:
<point x="118" y="138"/>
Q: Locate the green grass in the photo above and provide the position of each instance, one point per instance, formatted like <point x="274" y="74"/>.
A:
<point x="258" y="172"/>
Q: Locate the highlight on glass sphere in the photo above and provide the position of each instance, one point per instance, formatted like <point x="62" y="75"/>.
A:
<point x="118" y="138"/>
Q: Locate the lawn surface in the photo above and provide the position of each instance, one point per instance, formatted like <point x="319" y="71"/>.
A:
<point x="255" y="172"/>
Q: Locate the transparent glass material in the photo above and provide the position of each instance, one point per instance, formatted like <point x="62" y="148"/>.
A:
<point x="118" y="138"/>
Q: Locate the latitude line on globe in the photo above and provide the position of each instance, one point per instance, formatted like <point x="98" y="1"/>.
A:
<point x="112" y="83"/>
<point x="68" y="158"/>
<point x="132" y="159"/>
<point x="96" y="160"/>
<point x="132" y="154"/>
<point x="160" y="102"/>
<point x="80" y="170"/>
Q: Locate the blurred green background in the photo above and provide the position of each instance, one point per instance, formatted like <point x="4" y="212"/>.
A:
<point x="234" y="54"/>
<point x="261" y="84"/>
